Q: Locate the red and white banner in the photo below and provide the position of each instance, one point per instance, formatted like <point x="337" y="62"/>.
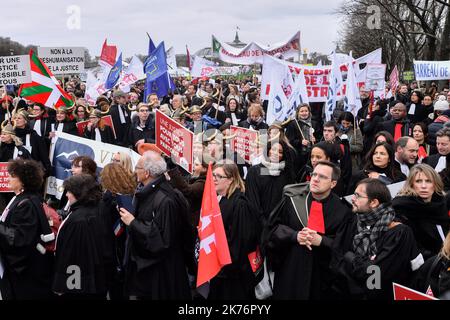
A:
<point x="132" y="73"/>
<point x="106" y="119"/>
<point x="405" y="293"/>
<point x="393" y="79"/>
<point x="174" y="140"/>
<point x="4" y="177"/>
<point x="244" y="142"/>
<point x="205" y="68"/>
<point x="317" y="77"/>
<point x="253" y="52"/>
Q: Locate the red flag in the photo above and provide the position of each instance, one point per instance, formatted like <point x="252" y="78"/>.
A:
<point x="108" y="54"/>
<point x="393" y="80"/>
<point x="214" y="252"/>
<point x="188" y="59"/>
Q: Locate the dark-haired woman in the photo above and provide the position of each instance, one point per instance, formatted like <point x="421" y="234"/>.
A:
<point x="417" y="112"/>
<point x="79" y="243"/>
<point x="234" y="112"/>
<point x="346" y="127"/>
<point x="420" y="133"/>
<point x="379" y="165"/>
<point x="26" y="267"/>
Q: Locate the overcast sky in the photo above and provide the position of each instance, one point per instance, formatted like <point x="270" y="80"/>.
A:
<point x="177" y="22"/>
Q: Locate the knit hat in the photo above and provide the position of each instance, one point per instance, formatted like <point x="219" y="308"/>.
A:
<point x="441" y="104"/>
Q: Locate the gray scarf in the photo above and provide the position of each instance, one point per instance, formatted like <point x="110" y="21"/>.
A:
<point x="371" y="226"/>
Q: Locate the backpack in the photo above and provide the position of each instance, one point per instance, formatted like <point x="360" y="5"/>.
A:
<point x="187" y="230"/>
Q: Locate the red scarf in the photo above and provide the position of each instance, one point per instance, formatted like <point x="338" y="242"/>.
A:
<point x="315" y="219"/>
<point x="422" y="152"/>
<point x="398" y="131"/>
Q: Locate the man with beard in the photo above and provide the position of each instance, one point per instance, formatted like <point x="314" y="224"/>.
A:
<point x="374" y="243"/>
<point x="298" y="238"/>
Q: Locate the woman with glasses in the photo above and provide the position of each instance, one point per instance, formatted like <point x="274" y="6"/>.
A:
<point x="80" y="113"/>
<point x="142" y="127"/>
<point x="423" y="205"/>
<point x="379" y="165"/>
<point x="236" y="280"/>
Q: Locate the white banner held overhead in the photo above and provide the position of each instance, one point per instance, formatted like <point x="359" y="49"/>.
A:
<point x="432" y="70"/>
<point x="15" y="69"/>
<point x="206" y="68"/>
<point x="253" y="52"/>
<point x="63" y="60"/>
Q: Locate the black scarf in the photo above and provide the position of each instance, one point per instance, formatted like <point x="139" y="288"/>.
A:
<point x="371" y="226"/>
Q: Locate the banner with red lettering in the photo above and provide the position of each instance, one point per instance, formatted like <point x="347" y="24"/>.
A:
<point x="405" y="293"/>
<point x="4" y="177"/>
<point x="253" y="52"/>
<point x="174" y="140"/>
<point x="244" y="141"/>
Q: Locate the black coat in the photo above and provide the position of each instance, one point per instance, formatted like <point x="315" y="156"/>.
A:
<point x="396" y="249"/>
<point x="7" y="152"/>
<point x="155" y="266"/>
<point x="106" y="134"/>
<point x="300" y="273"/>
<point x="432" y="160"/>
<point x="236" y="280"/>
<point x="27" y="272"/>
<point x="420" y="113"/>
<point x="424" y="219"/>
<point x="80" y="243"/>
<point x="121" y="129"/>
<point x="259" y="126"/>
<point x="389" y="178"/>
<point x="136" y="132"/>
<point x="39" y="151"/>
<point x="68" y="127"/>
<point x="389" y="126"/>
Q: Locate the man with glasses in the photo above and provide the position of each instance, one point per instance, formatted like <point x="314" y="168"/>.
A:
<point x="375" y="250"/>
<point x="142" y="129"/>
<point x="154" y="261"/>
<point x="300" y="234"/>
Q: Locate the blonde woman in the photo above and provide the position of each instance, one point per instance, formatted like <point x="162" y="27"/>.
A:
<point x="422" y="205"/>
<point x="124" y="160"/>
<point x="236" y="280"/>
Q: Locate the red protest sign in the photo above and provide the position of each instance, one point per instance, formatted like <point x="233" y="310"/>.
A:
<point x="106" y="119"/>
<point x="405" y="293"/>
<point x="174" y="140"/>
<point x="4" y="175"/>
<point x="244" y="141"/>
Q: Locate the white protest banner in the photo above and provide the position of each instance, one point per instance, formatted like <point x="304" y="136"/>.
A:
<point x="352" y="100"/>
<point x="174" y="140"/>
<point x="65" y="147"/>
<point x="253" y="52"/>
<point x="375" y="77"/>
<point x="432" y="70"/>
<point x="15" y="69"/>
<point x="63" y="60"/>
<point x="243" y="142"/>
<point x="132" y="73"/>
<point x="206" y="68"/>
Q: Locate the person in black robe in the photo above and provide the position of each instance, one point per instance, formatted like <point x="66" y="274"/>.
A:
<point x="97" y="130"/>
<point x="265" y="182"/>
<point x="380" y="165"/>
<point x="422" y="205"/>
<point x="121" y="117"/>
<point x="373" y="244"/>
<point x="79" y="243"/>
<point x="434" y="275"/>
<point x="299" y="236"/>
<point x="27" y="267"/>
<point x="63" y="123"/>
<point x="255" y="119"/>
<point x="154" y="259"/>
<point x="142" y="128"/>
<point x="235" y="281"/>
<point x="32" y="141"/>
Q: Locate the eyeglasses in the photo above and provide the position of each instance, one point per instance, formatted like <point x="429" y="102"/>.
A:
<point x="219" y="177"/>
<point x="319" y="176"/>
<point x="358" y="196"/>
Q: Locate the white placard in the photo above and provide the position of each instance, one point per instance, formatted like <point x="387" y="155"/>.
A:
<point x="15" y="69"/>
<point x="63" y="60"/>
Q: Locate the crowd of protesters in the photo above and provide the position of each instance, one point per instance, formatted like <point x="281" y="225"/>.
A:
<point x="131" y="232"/>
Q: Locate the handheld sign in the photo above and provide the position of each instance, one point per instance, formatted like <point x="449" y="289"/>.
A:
<point x="15" y="70"/>
<point x="63" y="60"/>
<point x="4" y="175"/>
<point x="405" y="293"/>
<point x="174" y="140"/>
<point x="244" y="141"/>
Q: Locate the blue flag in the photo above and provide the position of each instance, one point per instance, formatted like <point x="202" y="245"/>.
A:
<point x="114" y="74"/>
<point x="156" y="65"/>
<point x="163" y="84"/>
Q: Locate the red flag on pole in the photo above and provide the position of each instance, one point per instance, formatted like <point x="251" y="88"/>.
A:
<point x="214" y="252"/>
<point x="188" y="59"/>
<point x="108" y="54"/>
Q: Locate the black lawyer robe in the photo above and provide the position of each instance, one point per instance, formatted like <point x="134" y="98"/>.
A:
<point x="396" y="256"/>
<point x="300" y="273"/>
